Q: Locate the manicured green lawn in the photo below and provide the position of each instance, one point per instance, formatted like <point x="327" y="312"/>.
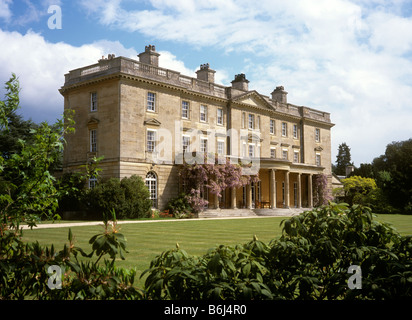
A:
<point x="146" y="240"/>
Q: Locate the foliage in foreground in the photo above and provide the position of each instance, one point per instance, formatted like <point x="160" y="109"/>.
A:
<point x="24" y="268"/>
<point x="309" y="261"/>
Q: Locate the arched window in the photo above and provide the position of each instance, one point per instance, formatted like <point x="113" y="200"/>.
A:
<point x="151" y="183"/>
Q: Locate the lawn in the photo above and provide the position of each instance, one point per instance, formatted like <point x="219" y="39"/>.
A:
<point x="146" y="240"/>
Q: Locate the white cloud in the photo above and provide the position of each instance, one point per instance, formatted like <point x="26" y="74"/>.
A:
<point x="5" y="12"/>
<point x="41" y="65"/>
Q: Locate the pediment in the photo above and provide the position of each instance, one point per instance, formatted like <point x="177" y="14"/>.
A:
<point x="254" y="99"/>
<point x="152" y="122"/>
<point x="92" y="123"/>
<point x="319" y="148"/>
<point x="254" y="137"/>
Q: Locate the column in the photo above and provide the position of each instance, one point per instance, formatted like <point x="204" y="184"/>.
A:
<point x="310" y="194"/>
<point x="248" y="196"/>
<point x="273" y="188"/>
<point x="215" y="201"/>
<point x="233" y="198"/>
<point x="299" y="191"/>
<point x="287" y="190"/>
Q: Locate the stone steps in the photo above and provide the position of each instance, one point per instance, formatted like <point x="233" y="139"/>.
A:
<point x="224" y="213"/>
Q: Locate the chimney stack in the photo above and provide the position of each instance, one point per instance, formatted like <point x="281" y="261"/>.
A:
<point x="240" y="82"/>
<point x="205" y="73"/>
<point x="149" y="56"/>
<point x="279" y="95"/>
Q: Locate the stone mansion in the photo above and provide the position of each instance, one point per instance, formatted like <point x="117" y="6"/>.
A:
<point x="144" y="119"/>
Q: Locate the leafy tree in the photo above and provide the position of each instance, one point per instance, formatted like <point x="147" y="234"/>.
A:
<point x="343" y="159"/>
<point x="17" y="129"/>
<point x="27" y="187"/>
<point x="394" y="174"/>
<point x="365" y="170"/>
<point x="357" y="188"/>
<point x="29" y="191"/>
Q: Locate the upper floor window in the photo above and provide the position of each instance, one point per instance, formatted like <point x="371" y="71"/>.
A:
<point x="295" y="131"/>
<point x="284" y="129"/>
<point x="251" y="150"/>
<point x="220" y="147"/>
<point x="203" y="145"/>
<point x="251" y="121"/>
<point x="318" y="159"/>
<point x="296" y="156"/>
<point x="151" y="101"/>
<point x="272" y="126"/>
<point x="317" y="135"/>
<point x="273" y="153"/>
<point x="244" y="149"/>
<point x="151" y="141"/>
<point x="93" y="101"/>
<point x="219" y="116"/>
<point x="285" y="154"/>
<point x="93" y="140"/>
<point x="203" y="113"/>
<point x="185" y="110"/>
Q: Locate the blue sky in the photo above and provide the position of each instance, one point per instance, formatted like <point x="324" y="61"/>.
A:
<point x="350" y="58"/>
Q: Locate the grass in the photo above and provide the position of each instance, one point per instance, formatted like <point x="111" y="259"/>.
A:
<point x="147" y="240"/>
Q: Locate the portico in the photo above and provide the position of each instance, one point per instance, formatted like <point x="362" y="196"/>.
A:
<point x="279" y="186"/>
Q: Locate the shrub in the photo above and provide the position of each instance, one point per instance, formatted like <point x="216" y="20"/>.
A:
<point x="129" y="197"/>
<point x="180" y="206"/>
<point x="309" y="261"/>
<point x="24" y="268"/>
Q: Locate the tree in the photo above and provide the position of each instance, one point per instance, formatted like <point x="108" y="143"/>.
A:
<point x="29" y="191"/>
<point x="17" y="129"/>
<point x="394" y="174"/>
<point x="365" y="170"/>
<point x="357" y="189"/>
<point x="27" y="187"/>
<point x="343" y="159"/>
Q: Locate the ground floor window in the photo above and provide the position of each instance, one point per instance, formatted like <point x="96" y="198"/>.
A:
<point x="92" y="182"/>
<point x="151" y="183"/>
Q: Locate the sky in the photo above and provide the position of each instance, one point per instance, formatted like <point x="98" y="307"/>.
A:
<point x="352" y="59"/>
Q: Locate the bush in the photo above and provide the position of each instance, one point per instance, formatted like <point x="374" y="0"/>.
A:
<point x="24" y="268"/>
<point x="129" y="198"/>
<point x="180" y="207"/>
<point x="309" y="261"/>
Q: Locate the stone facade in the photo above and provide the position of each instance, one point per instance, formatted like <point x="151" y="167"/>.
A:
<point x="140" y="117"/>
